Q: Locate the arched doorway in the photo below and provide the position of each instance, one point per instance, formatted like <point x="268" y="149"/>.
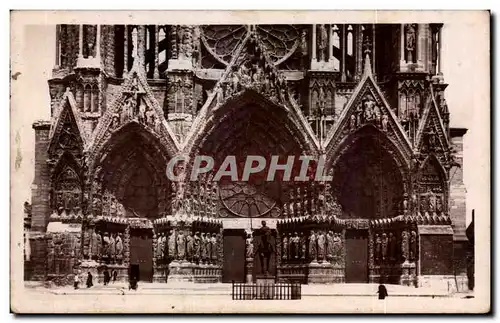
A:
<point x="369" y="184"/>
<point x="132" y="185"/>
<point x="249" y="125"/>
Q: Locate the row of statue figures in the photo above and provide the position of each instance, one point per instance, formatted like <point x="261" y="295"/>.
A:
<point x="252" y="76"/>
<point x="103" y="246"/>
<point x="318" y="247"/>
<point x="388" y="248"/>
<point x="369" y="112"/>
<point x="199" y="248"/>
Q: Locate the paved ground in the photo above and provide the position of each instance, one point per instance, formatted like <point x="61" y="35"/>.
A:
<point x="216" y="298"/>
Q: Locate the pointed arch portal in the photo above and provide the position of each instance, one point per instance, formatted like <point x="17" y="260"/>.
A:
<point x="366" y="179"/>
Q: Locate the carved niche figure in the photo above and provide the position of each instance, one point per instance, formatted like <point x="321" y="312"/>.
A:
<point x="405" y="245"/>
<point x="321" y="245"/>
<point x="99" y="245"/>
<point x="213" y="242"/>
<point x="204" y="250"/>
<point x="112" y="207"/>
<point x="329" y="253"/>
<point x="112" y="247"/>
<point x="359" y="115"/>
<point x="181" y="246"/>
<point x="413" y="245"/>
<point x="249" y="246"/>
<point x="392" y="246"/>
<point x="171" y="245"/>
<point x="141" y="116"/>
<point x="378" y="115"/>
<point x="378" y="247"/>
<point x="352" y="122"/>
<point x="295" y="246"/>
<point x="189" y="246"/>
<point x="312" y="246"/>
<point x="368" y="105"/>
<point x="303" y="43"/>
<point x="115" y="121"/>
<point x="284" y="252"/>
<point x="105" y="245"/>
<point x="244" y="74"/>
<point x="303" y="245"/>
<point x="322" y="42"/>
<point x="158" y="246"/>
<point x="439" y="204"/>
<point x="150" y="118"/>
<point x="384" y="244"/>
<point x="410" y="42"/>
<point x="94" y="247"/>
<point x="197" y="247"/>
<point x="337" y="249"/>
<point x="208" y="248"/>
<point x="119" y="248"/>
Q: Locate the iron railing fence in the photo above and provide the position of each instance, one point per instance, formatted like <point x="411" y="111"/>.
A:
<point x="277" y="291"/>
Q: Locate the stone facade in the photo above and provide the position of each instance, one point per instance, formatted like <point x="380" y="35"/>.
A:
<point x="126" y="99"/>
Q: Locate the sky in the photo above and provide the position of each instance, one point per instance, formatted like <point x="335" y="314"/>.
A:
<point x="459" y="58"/>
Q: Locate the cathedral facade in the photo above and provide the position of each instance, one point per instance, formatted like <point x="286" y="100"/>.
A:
<point x="367" y="98"/>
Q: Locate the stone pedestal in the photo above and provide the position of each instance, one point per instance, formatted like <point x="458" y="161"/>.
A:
<point x="160" y="274"/>
<point x="407" y="274"/>
<point x="320" y="273"/>
<point x="249" y="270"/>
<point x="180" y="271"/>
<point x="97" y="271"/>
<point x="265" y="286"/>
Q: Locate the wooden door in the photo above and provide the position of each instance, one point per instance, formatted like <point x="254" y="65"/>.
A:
<point x="356" y="270"/>
<point x="234" y="256"/>
<point x="141" y="253"/>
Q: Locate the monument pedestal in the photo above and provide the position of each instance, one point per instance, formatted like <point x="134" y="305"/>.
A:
<point x="320" y="273"/>
<point x="265" y="286"/>
<point x="249" y="270"/>
<point x="180" y="271"/>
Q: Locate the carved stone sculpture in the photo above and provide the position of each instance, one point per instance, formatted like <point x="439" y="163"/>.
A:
<point x="197" y="247"/>
<point x="313" y="247"/>
<point x="189" y="247"/>
<point x="172" y="254"/>
<point x="384" y="244"/>
<point x="321" y="245"/>
<point x="249" y="246"/>
<point x="295" y="246"/>
<point x="330" y="252"/>
<point x="213" y="242"/>
<point x="94" y="245"/>
<point x="119" y="248"/>
<point x="112" y="248"/>
<point x="413" y="246"/>
<point x="181" y="246"/>
<point x="284" y="252"/>
<point x="378" y="247"/>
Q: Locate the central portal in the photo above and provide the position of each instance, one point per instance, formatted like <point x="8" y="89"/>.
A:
<point x="356" y="270"/>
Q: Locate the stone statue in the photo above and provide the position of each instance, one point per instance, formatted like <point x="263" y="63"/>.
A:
<point x="352" y="123"/>
<point x="378" y="115"/>
<point x="119" y="248"/>
<point x="181" y="246"/>
<point x="439" y="204"/>
<point x="112" y="207"/>
<point x="410" y="41"/>
<point x="313" y="247"/>
<point x="405" y="245"/>
<point x="303" y="245"/>
<point x="295" y="246"/>
<point x="284" y="250"/>
<point x="265" y="248"/>
<point x="208" y="247"/>
<point x="384" y="244"/>
<point x="303" y="43"/>
<point x="385" y="121"/>
<point x="158" y="247"/>
<point x="171" y="245"/>
<point x="368" y="105"/>
<point x="141" y="116"/>
<point x="249" y="246"/>
<point x="322" y="42"/>
<point x="135" y="46"/>
<point x="99" y="245"/>
<point x="112" y="247"/>
<point x="94" y="247"/>
<point x="330" y="253"/>
<point x="213" y="242"/>
<point x="204" y="250"/>
<point x="115" y="121"/>
<point x="359" y="116"/>
<point x="392" y="246"/>
<point x="197" y="247"/>
<point x="337" y="242"/>
<point x="413" y="246"/>
<point x="321" y="245"/>
<point x="189" y="247"/>
<point x="378" y="247"/>
<point x="105" y="245"/>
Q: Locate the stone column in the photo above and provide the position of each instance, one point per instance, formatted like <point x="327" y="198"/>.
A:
<point x="313" y="43"/>
<point x="98" y="44"/>
<point x="343" y="49"/>
<point x="80" y="43"/>
<point x="402" y="48"/>
<point x="125" y="52"/>
<point x="358" y="51"/>
<point x="422" y="46"/>
<point x="439" y="61"/>
<point x="330" y="44"/>
<point x="156" y="74"/>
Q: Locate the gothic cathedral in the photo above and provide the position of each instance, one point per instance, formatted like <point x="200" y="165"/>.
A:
<point x="369" y="98"/>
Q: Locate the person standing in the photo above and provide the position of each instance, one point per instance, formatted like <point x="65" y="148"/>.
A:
<point x="77" y="281"/>
<point x="89" y="280"/>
